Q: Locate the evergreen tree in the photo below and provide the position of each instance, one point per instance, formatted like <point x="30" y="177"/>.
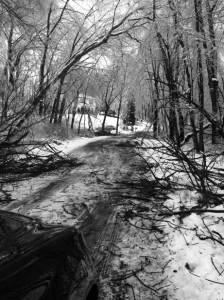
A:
<point x="130" y="113"/>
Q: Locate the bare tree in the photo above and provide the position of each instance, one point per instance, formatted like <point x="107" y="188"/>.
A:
<point x="52" y="50"/>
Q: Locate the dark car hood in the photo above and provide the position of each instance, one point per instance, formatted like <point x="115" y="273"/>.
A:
<point x="20" y="235"/>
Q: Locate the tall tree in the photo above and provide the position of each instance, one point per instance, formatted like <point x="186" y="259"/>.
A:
<point x="130" y="111"/>
<point x="199" y="29"/>
<point x="95" y="35"/>
<point x="211" y="61"/>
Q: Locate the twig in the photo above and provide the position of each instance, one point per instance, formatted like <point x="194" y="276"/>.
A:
<point x="166" y="264"/>
<point x="215" y="266"/>
<point x="131" y="287"/>
<point x="214" y="281"/>
<point x="145" y="285"/>
<point x="127" y="275"/>
<point x="184" y="237"/>
<point x="161" y="281"/>
<point x="193" y="274"/>
<point x="186" y="212"/>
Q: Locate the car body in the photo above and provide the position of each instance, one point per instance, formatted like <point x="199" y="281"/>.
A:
<point x="40" y="261"/>
<point x="109" y="128"/>
<point x="110" y="113"/>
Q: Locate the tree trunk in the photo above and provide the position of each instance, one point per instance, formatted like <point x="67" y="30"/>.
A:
<point x="104" y="119"/>
<point x="155" y="107"/>
<point x="199" y="26"/>
<point x="10" y="65"/>
<point x="42" y="74"/>
<point x="55" y="110"/>
<point x="174" y="132"/>
<point x="80" y="124"/>
<point x="194" y="129"/>
<point x="181" y="123"/>
<point x="118" y="114"/>
<point x="212" y="67"/>
<point x="62" y="110"/>
<point x="74" y="106"/>
<point x="90" y="122"/>
<point x="73" y="118"/>
<point x="189" y="94"/>
<point x="168" y="68"/>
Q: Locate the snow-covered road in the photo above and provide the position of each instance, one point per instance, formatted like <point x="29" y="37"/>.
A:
<point x="64" y="196"/>
<point x="86" y="196"/>
<point x="115" y="197"/>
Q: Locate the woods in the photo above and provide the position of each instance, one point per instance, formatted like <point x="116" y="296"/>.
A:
<point x="151" y="182"/>
<point x="164" y="54"/>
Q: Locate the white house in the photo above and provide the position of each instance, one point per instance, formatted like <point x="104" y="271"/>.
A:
<point x="86" y="104"/>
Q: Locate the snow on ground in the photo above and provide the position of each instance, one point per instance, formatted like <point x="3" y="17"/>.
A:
<point x="177" y="257"/>
<point x="53" y="209"/>
<point x="95" y="121"/>
<point x="27" y="197"/>
<point x="69" y="145"/>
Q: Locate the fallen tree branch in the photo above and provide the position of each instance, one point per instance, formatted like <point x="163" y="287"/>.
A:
<point x="220" y="273"/>
<point x="191" y="134"/>
<point x="186" y="212"/>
